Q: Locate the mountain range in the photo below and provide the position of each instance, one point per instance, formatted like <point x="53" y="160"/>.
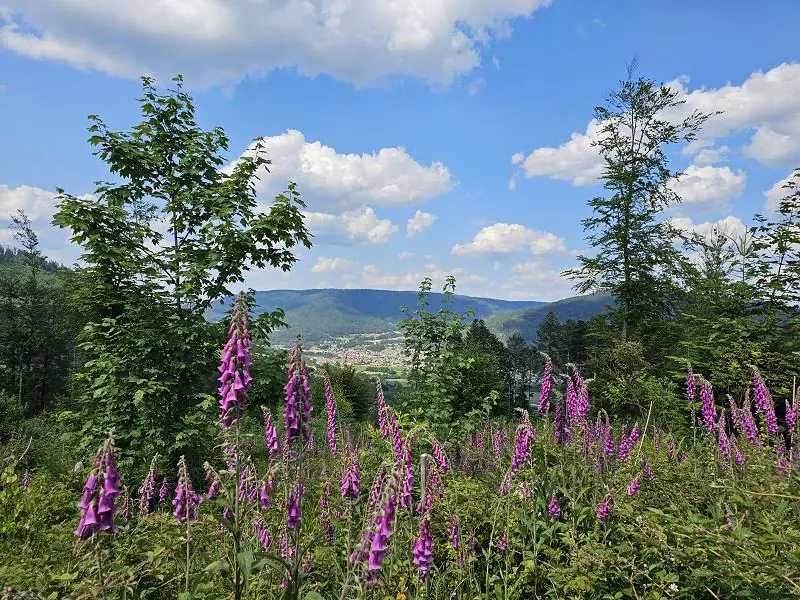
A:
<point x="319" y="314"/>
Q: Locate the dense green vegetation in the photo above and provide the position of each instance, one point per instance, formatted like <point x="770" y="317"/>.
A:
<point x="645" y="451"/>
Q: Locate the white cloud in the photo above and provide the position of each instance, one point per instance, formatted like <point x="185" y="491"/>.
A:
<point x="334" y="181"/>
<point x="709" y="155"/>
<point x="325" y="264"/>
<point x="372" y="276"/>
<point x="765" y="103"/>
<point x="357" y="226"/>
<point x="419" y="223"/>
<point x="730" y="225"/>
<point x="405" y="254"/>
<point x="504" y="238"/>
<point x="223" y="41"/>
<point x="575" y="160"/>
<point x="37" y="203"/>
<point x="709" y="186"/>
<point x="774" y="195"/>
<point x="536" y="280"/>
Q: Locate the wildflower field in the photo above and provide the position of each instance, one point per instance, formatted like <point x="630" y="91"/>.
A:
<point x="563" y="504"/>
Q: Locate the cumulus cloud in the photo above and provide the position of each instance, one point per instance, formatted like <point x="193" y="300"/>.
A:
<point x="709" y="186"/>
<point x="326" y="265"/>
<point x="730" y="225"/>
<point x="330" y="180"/>
<point x="537" y="280"/>
<point x="774" y="195"/>
<point x="352" y="227"/>
<point x="504" y="238"/>
<point x="764" y="104"/>
<point x="708" y="155"/>
<point x="37" y="203"/>
<point x="419" y="223"/>
<point x="405" y="254"/>
<point x="575" y="160"/>
<point x="223" y="41"/>
<point x="373" y="276"/>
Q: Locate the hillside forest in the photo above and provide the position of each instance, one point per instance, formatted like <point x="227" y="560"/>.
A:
<point x="154" y="443"/>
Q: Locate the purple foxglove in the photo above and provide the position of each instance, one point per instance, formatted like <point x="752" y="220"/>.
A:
<point x="632" y="489"/>
<point x="381" y="407"/>
<point x="422" y="549"/>
<point x="186" y="499"/>
<point x="572" y="401"/>
<point x="604" y="509"/>
<point x="98" y="503"/>
<point x="764" y="403"/>
<point x="439" y="455"/>
<point x="147" y="488"/>
<point x="707" y="405"/>
<point x="497" y="444"/>
<point x="553" y="508"/>
<point x="690" y="383"/>
<point x="547" y="384"/>
<point x="378" y="543"/>
<point x="294" y="506"/>
<point x="453" y="534"/>
<point x="791" y="415"/>
<point x="648" y="471"/>
<point x="330" y="405"/>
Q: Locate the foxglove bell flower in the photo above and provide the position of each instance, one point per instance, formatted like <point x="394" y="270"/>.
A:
<point x="572" y="401"/>
<point x="764" y="403"/>
<point x="582" y="393"/>
<point x="422" y="549"/>
<point x="26" y="480"/>
<point x="186" y="499"/>
<point x="791" y="415"/>
<point x="707" y="405"/>
<point x="547" y="384"/>
<point x="270" y="434"/>
<point x="294" y="506"/>
<point x="632" y="489"/>
<point x="381" y="402"/>
<point x="297" y="409"/>
<point x="522" y="450"/>
<point x="691" y="384"/>
<point x="235" y="366"/>
<point x="351" y="476"/>
<point x="98" y="503"/>
<point x="163" y="491"/>
<point x="439" y="455"/>
<point x="147" y="488"/>
<point x="378" y="543"/>
<point x="331" y="408"/>
<point x="604" y="509"/>
<point x="453" y="533"/>
<point x="553" y="508"/>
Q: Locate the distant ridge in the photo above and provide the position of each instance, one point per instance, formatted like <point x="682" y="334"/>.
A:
<point x="319" y="314"/>
<point x="526" y="321"/>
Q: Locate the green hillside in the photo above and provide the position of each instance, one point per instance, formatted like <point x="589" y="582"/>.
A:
<point x="526" y="321"/>
<point x="323" y="313"/>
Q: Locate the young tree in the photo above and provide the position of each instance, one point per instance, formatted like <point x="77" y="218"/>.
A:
<point x="635" y="259"/>
<point x="161" y="244"/>
<point x="777" y="244"/>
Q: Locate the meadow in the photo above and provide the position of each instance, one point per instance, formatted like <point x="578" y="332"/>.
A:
<point x="562" y="504"/>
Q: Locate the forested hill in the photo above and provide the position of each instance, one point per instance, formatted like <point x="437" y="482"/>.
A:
<point x="526" y="321"/>
<point x="318" y="313"/>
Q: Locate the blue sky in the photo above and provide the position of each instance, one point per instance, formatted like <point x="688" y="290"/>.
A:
<point x="428" y="136"/>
